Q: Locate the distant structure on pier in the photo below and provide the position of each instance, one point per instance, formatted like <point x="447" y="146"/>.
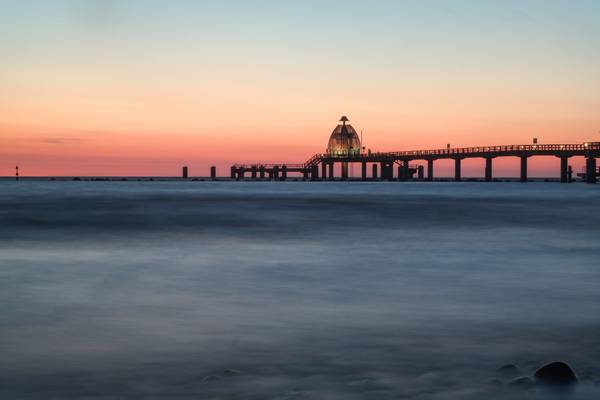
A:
<point x="344" y="140"/>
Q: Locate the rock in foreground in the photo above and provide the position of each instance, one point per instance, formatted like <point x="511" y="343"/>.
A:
<point x="556" y="373"/>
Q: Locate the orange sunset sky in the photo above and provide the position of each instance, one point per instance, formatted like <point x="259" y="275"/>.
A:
<point x="141" y="88"/>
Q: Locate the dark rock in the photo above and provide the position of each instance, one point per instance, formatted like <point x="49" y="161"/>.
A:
<point x="556" y="373"/>
<point x="509" y="370"/>
<point x="521" y="382"/>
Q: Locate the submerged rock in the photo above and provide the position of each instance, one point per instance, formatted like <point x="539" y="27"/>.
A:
<point x="509" y="370"/>
<point x="231" y="372"/>
<point x="556" y="373"/>
<point x="210" y="378"/>
<point x="521" y="382"/>
<point x="494" y="382"/>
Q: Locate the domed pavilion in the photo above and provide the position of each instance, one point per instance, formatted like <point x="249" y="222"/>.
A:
<point x="344" y="140"/>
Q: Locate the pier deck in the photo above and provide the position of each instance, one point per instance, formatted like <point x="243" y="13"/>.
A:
<point x="321" y="166"/>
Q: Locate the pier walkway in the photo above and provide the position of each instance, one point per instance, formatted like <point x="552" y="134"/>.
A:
<point x="321" y="166"/>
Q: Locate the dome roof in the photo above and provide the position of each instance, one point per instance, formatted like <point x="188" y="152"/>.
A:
<point x="343" y="140"/>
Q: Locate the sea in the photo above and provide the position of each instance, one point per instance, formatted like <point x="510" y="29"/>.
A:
<point x="296" y="290"/>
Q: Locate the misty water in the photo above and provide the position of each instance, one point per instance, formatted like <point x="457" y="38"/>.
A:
<point x="201" y="290"/>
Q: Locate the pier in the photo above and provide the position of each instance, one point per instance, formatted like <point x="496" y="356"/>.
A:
<point x="344" y="149"/>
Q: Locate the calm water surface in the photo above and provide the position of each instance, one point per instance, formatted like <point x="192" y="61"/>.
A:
<point x="198" y="290"/>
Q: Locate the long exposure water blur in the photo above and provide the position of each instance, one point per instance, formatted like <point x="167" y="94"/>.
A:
<point x="291" y="290"/>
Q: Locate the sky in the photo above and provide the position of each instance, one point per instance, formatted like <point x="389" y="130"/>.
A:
<point x="132" y="87"/>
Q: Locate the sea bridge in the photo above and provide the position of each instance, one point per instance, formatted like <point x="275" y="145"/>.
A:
<point x="322" y="166"/>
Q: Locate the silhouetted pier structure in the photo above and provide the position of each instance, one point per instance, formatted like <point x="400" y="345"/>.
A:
<point x="344" y="148"/>
<point x="322" y="166"/>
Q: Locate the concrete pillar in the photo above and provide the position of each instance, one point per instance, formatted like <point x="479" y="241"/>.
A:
<point x="420" y="172"/>
<point x="314" y="173"/>
<point x="253" y="172"/>
<point x="323" y="171"/>
<point x="524" y="168"/>
<point x="232" y="172"/>
<point x="430" y="170"/>
<point x="344" y="171"/>
<point x="590" y="170"/>
<point x="400" y="172"/>
<point x="283" y="172"/>
<point x="457" y="170"/>
<point x="331" y="171"/>
<point x="276" y="172"/>
<point x="262" y="172"/>
<point x="304" y="175"/>
<point x="363" y="170"/>
<point x="564" y="169"/>
<point x="240" y="173"/>
<point x="213" y="173"/>
<point x="375" y="172"/>
<point x="488" y="169"/>
<point x="184" y="172"/>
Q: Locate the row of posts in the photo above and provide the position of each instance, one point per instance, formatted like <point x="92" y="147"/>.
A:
<point x="405" y="172"/>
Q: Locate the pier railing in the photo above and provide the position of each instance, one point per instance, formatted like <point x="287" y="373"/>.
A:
<point x="497" y="149"/>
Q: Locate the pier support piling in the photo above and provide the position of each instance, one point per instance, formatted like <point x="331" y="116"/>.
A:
<point x="323" y="171"/>
<point x="524" y="169"/>
<point x="314" y="173"/>
<point x="429" y="170"/>
<point x="420" y="172"/>
<point x="375" y="177"/>
<point x="213" y="173"/>
<point x="457" y="170"/>
<point x="403" y="171"/>
<point x="488" y="169"/>
<point x="344" y="171"/>
<point x="363" y="170"/>
<point x="387" y="171"/>
<point x="331" y="174"/>
<point x="590" y="170"/>
<point x="283" y="172"/>
<point x="570" y="174"/>
<point x="564" y="169"/>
